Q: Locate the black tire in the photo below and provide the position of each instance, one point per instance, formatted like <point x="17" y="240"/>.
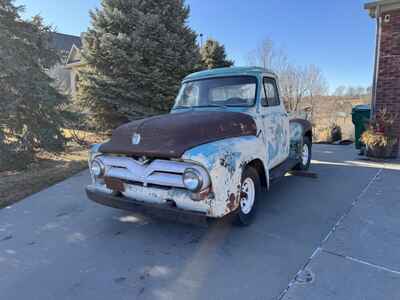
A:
<point x="302" y="165"/>
<point x="242" y="217"/>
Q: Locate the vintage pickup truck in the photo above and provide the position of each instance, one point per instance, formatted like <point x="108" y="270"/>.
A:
<point x="227" y="138"/>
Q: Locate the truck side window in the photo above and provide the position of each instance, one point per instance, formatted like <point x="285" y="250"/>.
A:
<point x="263" y="96"/>
<point x="271" y="92"/>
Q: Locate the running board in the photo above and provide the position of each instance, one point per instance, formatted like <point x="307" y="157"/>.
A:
<point x="279" y="171"/>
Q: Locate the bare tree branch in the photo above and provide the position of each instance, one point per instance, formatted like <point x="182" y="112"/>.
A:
<point x="296" y="82"/>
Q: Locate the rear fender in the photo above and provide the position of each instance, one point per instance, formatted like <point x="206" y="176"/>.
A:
<point x="299" y="128"/>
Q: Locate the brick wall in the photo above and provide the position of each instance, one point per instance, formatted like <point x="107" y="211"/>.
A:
<point x="388" y="84"/>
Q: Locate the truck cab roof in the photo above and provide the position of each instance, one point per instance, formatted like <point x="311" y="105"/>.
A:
<point x="232" y="71"/>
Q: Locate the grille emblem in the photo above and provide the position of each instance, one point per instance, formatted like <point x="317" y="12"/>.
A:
<point x="136" y="139"/>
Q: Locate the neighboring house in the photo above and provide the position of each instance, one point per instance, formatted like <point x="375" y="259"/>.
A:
<point x="386" y="91"/>
<point x="66" y="73"/>
<point x="73" y="63"/>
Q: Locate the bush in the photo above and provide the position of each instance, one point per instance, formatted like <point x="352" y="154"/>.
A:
<point x="336" y="133"/>
<point x="331" y="134"/>
<point x="380" y="132"/>
<point x="376" y="139"/>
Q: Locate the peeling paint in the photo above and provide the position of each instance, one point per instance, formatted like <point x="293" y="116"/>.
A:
<point x="276" y="134"/>
<point x="296" y="139"/>
<point x="231" y="202"/>
<point x="225" y="161"/>
<point x="296" y="132"/>
<point x="229" y="161"/>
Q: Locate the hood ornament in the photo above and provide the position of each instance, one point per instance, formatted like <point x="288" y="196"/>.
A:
<point x="136" y="139"/>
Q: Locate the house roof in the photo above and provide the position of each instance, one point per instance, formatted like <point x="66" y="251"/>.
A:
<point x="64" y="42"/>
<point x="381" y="6"/>
<point x="232" y="71"/>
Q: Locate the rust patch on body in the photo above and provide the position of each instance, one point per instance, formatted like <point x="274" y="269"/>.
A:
<point x="114" y="184"/>
<point x="169" y="136"/>
<point x="231" y="203"/>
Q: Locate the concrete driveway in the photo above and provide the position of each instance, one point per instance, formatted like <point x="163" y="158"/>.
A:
<point x="58" y="245"/>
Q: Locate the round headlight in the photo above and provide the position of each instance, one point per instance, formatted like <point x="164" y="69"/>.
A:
<point x="192" y="180"/>
<point x="97" y="168"/>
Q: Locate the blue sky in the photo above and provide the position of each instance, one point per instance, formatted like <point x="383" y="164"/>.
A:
<point x="338" y="36"/>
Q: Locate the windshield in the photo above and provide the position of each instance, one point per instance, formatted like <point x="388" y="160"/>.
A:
<point x="226" y="91"/>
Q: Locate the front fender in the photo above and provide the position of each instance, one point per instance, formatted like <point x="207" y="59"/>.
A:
<point x="225" y="161"/>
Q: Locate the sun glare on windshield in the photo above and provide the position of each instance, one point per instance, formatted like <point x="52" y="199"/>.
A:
<point x="228" y="91"/>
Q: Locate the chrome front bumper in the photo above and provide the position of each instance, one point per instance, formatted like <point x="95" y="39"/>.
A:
<point x="140" y="195"/>
<point x="164" y="209"/>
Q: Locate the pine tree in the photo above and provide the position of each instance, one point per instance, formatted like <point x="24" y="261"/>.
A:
<point x="137" y="52"/>
<point x="213" y="55"/>
<point x="29" y="115"/>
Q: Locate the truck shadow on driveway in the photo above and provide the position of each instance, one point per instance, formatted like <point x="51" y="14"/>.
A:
<point x="86" y="251"/>
<point x="186" y="262"/>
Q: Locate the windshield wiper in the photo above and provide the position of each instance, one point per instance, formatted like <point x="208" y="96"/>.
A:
<point x="199" y="106"/>
<point x="210" y="105"/>
<point x="182" y="107"/>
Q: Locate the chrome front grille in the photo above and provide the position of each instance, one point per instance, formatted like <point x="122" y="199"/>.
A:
<point x="158" y="172"/>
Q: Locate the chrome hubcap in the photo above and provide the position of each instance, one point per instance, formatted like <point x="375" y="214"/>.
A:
<point x="247" y="197"/>
<point x="305" y="154"/>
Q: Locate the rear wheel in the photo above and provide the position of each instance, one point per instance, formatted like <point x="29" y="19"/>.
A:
<point x="305" y="155"/>
<point x="250" y="193"/>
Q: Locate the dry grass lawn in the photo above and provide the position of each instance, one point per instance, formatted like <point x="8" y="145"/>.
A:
<point x="47" y="170"/>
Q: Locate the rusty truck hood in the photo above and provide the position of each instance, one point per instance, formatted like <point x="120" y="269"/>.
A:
<point x="169" y="136"/>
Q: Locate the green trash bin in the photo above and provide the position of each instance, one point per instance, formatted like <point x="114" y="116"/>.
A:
<point x="361" y="114"/>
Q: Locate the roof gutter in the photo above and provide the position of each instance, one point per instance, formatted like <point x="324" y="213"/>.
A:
<point x="384" y="6"/>
<point x="377" y="57"/>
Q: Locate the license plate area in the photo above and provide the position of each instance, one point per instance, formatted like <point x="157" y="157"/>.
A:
<point x="117" y="185"/>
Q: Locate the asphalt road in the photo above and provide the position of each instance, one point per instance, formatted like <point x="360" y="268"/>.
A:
<point x="58" y="245"/>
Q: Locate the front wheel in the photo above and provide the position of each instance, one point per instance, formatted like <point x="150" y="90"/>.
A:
<point x="305" y="155"/>
<point x="250" y="192"/>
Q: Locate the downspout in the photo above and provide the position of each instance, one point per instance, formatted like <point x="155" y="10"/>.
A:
<point x="377" y="57"/>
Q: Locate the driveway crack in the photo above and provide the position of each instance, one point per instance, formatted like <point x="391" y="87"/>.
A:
<point x="330" y="233"/>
